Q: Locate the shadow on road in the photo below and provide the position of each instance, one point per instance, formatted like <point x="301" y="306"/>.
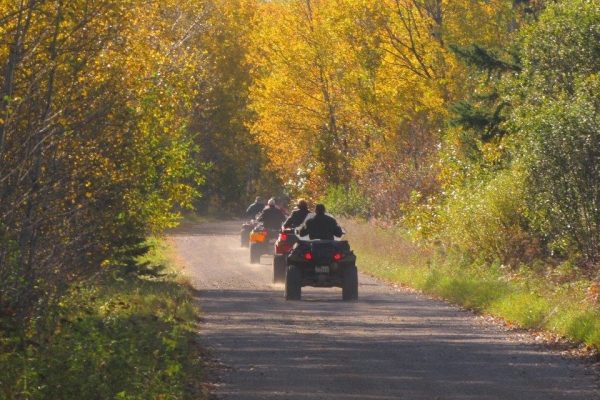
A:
<point x="383" y="347"/>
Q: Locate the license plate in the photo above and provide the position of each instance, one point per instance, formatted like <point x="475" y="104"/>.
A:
<point x="322" y="269"/>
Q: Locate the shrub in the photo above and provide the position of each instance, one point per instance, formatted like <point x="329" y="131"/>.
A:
<point x="117" y="336"/>
<point x="347" y="201"/>
<point x="559" y="115"/>
<point x="488" y="220"/>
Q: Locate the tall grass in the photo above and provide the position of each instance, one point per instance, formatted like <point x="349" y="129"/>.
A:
<point x="564" y="305"/>
<point x="116" y="337"/>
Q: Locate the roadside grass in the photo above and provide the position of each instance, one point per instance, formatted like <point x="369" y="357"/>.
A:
<point x="561" y="305"/>
<point x="115" y="337"/>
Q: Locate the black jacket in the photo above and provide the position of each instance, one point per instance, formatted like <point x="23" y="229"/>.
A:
<point x="297" y="218"/>
<point x="272" y="217"/>
<point x="321" y="226"/>
<point x="254" y="209"/>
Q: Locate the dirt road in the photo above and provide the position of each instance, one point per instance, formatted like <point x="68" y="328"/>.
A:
<point x="389" y="345"/>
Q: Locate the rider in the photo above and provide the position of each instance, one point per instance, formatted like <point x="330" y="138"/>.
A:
<point x="321" y="226"/>
<point x="255" y="208"/>
<point x="272" y="217"/>
<point x="298" y="215"/>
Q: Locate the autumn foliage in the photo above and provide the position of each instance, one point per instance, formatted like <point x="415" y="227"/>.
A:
<point x="474" y="125"/>
<point x="439" y="115"/>
<point x="94" y="150"/>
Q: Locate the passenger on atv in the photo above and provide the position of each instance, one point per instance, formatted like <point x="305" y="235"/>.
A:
<point x="321" y="226"/>
<point x="271" y="217"/>
<point x="264" y="235"/>
<point x="321" y="261"/>
<point x="287" y="239"/>
<point x="298" y="215"/>
<point x="255" y="208"/>
<point x="251" y="212"/>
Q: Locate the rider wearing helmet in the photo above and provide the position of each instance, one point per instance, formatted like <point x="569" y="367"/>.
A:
<point x="321" y="226"/>
<point x="272" y="217"/>
<point x="255" y="208"/>
<point x="298" y="215"/>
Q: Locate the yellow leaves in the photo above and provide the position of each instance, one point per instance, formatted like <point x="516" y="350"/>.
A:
<point x="361" y="79"/>
<point x="333" y="79"/>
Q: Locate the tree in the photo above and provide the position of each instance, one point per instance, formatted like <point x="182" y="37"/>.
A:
<point x="235" y="162"/>
<point x="94" y="152"/>
<point x="558" y="114"/>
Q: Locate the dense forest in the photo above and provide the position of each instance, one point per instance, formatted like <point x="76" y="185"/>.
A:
<point x="473" y="125"/>
<point x="472" y="122"/>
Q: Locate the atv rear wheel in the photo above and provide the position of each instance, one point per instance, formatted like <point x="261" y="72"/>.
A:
<point x="279" y="267"/>
<point x="255" y="253"/>
<point x="293" y="283"/>
<point x="350" y="284"/>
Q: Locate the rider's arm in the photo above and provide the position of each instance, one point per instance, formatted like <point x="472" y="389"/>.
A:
<point x="337" y="231"/>
<point x="303" y="229"/>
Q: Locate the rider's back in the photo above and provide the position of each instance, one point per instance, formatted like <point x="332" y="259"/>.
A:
<point x="272" y="217"/>
<point x="321" y="226"/>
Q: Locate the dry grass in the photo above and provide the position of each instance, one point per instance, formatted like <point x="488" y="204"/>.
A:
<point x="525" y="298"/>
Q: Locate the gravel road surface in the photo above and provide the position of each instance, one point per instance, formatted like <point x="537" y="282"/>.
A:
<point x="390" y="344"/>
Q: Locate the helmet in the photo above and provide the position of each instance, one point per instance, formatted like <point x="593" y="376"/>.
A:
<point x="272" y="202"/>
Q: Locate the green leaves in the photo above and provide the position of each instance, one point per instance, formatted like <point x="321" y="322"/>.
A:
<point x="559" y="118"/>
<point x="562" y="46"/>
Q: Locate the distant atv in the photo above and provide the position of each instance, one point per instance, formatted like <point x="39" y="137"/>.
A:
<point x="321" y="263"/>
<point x="247" y="228"/>
<point x="283" y="246"/>
<point x="262" y="241"/>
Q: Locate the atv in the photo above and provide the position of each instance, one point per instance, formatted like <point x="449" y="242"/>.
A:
<point x="262" y="241"/>
<point x="284" y="244"/>
<point x="321" y="263"/>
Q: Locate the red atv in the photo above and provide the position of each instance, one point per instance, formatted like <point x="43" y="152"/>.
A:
<point x="283" y="246"/>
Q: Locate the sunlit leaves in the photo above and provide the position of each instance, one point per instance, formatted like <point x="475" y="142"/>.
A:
<point x="94" y="148"/>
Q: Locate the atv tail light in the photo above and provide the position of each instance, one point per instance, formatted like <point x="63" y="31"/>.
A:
<point x="308" y="256"/>
<point x="283" y="248"/>
<point x="283" y="237"/>
<point x="337" y="256"/>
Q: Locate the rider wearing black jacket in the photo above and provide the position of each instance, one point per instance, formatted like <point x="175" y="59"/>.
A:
<point x="298" y="215"/>
<point x="272" y="217"/>
<point x="321" y="226"/>
<point x="255" y="208"/>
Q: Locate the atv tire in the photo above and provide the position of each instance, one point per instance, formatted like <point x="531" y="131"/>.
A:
<point x="255" y="253"/>
<point x="293" y="283"/>
<point x="350" y="284"/>
<point x="279" y="267"/>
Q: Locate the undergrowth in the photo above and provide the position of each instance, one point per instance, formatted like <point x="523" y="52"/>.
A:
<point x="118" y="336"/>
<point x="528" y="299"/>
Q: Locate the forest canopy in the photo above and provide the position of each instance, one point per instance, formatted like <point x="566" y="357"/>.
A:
<point x="472" y="124"/>
<point x="471" y="128"/>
